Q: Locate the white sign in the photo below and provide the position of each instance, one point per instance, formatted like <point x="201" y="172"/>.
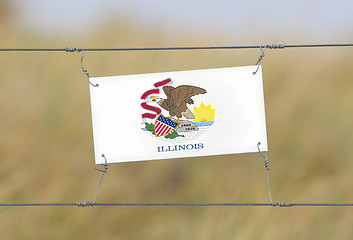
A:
<point x="178" y="114"/>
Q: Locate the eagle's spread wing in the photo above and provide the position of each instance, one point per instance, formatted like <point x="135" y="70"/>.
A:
<point x="184" y="93"/>
<point x="168" y="90"/>
<point x="178" y="97"/>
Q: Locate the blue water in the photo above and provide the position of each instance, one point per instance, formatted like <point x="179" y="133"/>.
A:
<point x="204" y="124"/>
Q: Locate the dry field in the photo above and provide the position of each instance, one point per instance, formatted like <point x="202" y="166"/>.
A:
<point x="46" y="146"/>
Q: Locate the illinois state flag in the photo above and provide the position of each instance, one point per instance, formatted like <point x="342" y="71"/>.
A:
<point x="178" y="114"/>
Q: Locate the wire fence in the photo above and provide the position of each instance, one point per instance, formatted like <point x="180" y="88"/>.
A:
<point x="89" y="204"/>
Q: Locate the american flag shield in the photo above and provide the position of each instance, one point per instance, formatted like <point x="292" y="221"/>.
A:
<point x="164" y="125"/>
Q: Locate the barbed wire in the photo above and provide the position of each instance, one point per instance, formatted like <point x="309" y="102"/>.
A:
<point x="271" y="46"/>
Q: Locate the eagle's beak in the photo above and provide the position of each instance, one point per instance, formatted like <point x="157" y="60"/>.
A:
<point x="154" y="99"/>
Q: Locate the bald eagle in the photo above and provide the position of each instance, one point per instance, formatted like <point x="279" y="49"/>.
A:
<point x="177" y="98"/>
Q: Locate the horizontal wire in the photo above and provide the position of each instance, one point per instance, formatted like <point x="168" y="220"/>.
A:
<point x="35" y="204"/>
<point x="273" y="46"/>
<point x="86" y="204"/>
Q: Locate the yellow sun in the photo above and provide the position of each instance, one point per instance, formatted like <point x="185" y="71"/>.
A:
<point x="203" y="113"/>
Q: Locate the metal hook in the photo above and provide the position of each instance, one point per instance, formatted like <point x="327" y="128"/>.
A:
<point x="103" y="172"/>
<point x="263" y="154"/>
<point x="105" y="165"/>
<point x="260" y="58"/>
<point x="86" y="72"/>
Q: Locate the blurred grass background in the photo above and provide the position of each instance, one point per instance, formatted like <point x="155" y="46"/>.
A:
<point x="46" y="145"/>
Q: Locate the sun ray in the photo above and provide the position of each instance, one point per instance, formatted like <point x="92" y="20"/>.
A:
<point x="203" y="113"/>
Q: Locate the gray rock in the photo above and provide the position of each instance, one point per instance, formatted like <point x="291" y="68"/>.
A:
<point x="186" y="126"/>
